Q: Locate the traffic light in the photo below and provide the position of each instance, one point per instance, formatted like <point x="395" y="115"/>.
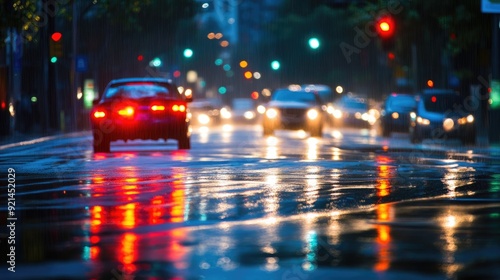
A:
<point x="275" y="65"/>
<point x="188" y="53"/>
<point x="314" y="43"/>
<point x="386" y="28"/>
<point x="55" y="46"/>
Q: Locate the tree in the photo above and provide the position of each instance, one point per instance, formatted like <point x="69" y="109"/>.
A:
<point x="449" y="36"/>
<point x="288" y="42"/>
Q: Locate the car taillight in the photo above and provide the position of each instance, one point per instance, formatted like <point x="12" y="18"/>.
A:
<point x="126" y="112"/>
<point x="158" y="108"/>
<point x="178" y="108"/>
<point x="99" y="114"/>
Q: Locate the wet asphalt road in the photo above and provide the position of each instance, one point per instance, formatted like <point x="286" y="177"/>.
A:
<point x="351" y="205"/>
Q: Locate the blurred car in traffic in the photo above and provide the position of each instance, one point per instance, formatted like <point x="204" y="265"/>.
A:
<point x="294" y="109"/>
<point x="205" y="112"/>
<point x="140" y="108"/>
<point x="440" y="115"/>
<point x="244" y="110"/>
<point x="395" y="114"/>
<point x="326" y="95"/>
<point x="352" y="111"/>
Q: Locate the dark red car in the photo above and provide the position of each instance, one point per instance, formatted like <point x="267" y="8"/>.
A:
<point x="140" y="108"/>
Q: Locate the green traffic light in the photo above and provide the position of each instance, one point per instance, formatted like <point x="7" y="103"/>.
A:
<point x="275" y="65"/>
<point x="495" y="94"/>
<point x="314" y="43"/>
<point x="188" y="53"/>
<point x="53" y="59"/>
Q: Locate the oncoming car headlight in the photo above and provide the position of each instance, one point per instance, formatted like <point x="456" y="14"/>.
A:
<point x="465" y="120"/>
<point x="423" y="121"/>
<point x="261" y="109"/>
<point x="271" y="113"/>
<point x="249" y="115"/>
<point x="203" y="119"/>
<point x="448" y="124"/>
<point x="225" y="113"/>
<point x="312" y="114"/>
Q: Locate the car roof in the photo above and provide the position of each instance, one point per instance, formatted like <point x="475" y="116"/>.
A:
<point x="294" y="89"/>
<point x="316" y="87"/>
<point x="400" y="95"/>
<point x="140" y="79"/>
<point x="395" y="94"/>
<point x="439" y="91"/>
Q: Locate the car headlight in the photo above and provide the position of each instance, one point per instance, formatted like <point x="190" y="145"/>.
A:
<point x="337" y="114"/>
<point x="423" y="121"/>
<point x="312" y="114"/>
<point x="365" y="116"/>
<point x="225" y="113"/>
<point x="448" y="124"/>
<point x="330" y="109"/>
<point x="465" y="120"/>
<point x="249" y="115"/>
<point x="395" y="115"/>
<point x="271" y="113"/>
<point x="203" y="119"/>
<point x="261" y="109"/>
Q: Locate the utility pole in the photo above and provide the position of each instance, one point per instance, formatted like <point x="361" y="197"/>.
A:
<point x="494" y="113"/>
<point x="74" y="75"/>
<point x="52" y="108"/>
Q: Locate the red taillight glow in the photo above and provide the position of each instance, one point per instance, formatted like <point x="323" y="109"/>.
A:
<point x="179" y="108"/>
<point x="126" y="112"/>
<point x="99" y="114"/>
<point x="158" y="108"/>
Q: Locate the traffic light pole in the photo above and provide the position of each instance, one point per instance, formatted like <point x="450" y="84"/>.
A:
<point x="494" y="114"/>
<point x="53" y="109"/>
<point x="74" y="86"/>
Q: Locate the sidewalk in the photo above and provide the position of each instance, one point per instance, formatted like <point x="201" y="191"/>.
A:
<point x="17" y="138"/>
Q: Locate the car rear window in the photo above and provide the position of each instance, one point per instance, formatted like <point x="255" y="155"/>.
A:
<point x="299" y="96"/>
<point x="137" y="90"/>
<point x="441" y="103"/>
<point x="401" y="102"/>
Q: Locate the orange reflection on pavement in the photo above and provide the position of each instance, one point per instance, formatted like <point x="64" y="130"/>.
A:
<point x="128" y="215"/>
<point x="94" y="252"/>
<point x="177" y="210"/>
<point x="383" y="176"/>
<point x="384" y="256"/>
<point x="128" y="252"/>
<point x="175" y="251"/>
<point x="95" y="218"/>
<point x="156" y="211"/>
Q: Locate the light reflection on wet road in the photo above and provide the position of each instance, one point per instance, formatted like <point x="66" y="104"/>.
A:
<point x="350" y="205"/>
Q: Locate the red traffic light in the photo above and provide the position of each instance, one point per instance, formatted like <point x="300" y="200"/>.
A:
<point x="385" y="27"/>
<point x="56" y="36"/>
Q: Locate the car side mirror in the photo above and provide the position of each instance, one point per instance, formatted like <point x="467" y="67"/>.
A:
<point x="95" y="101"/>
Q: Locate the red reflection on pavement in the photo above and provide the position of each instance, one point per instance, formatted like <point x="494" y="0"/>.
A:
<point x="137" y="199"/>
